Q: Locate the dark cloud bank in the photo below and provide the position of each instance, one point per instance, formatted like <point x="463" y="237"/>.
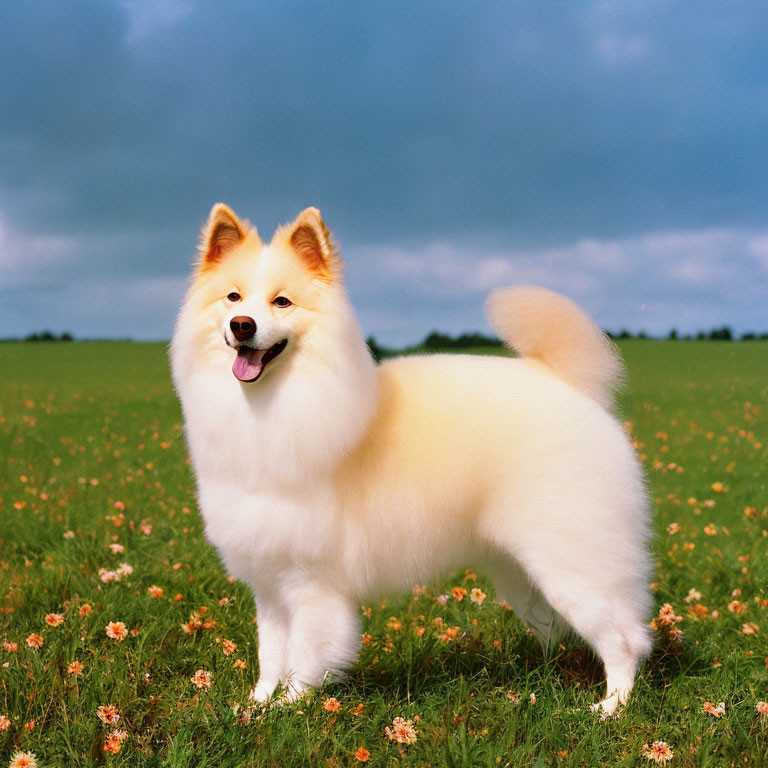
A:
<point x="615" y="151"/>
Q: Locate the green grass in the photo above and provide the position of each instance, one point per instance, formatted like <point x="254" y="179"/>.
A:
<point x="90" y="442"/>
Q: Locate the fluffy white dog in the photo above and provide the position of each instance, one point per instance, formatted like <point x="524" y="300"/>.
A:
<point x="325" y="480"/>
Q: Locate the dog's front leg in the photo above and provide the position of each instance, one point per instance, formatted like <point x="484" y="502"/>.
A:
<point x="325" y="638"/>
<point x="273" y="630"/>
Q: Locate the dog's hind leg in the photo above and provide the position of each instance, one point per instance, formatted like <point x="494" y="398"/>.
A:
<point x="597" y="583"/>
<point x="515" y="588"/>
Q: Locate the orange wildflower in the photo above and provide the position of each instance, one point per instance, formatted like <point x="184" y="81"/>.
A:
<point x="108" y="713"/>
<point x="35" y="641"/>
<point x="331" y="705"/>
<point x="112" y="745"/>
<point x="362" y="754"/>
<point x="155" y="591"/>
<point x="450" y="634"/>
<point x="202" y="679"/>
<point x="75" y="668"/>
<point x="667" y="615"/>
<point x="458" y="592"/>
<point x="658" y="752"/>
<point x="194" y="623"/>
<point x="23" y="760"/>
<point x="116" y="630"/>
<point x="715" y="711"/>
<point x="54" y="619"/>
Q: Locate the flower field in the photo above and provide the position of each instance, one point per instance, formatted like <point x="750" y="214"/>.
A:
<point x="123" y="641"/>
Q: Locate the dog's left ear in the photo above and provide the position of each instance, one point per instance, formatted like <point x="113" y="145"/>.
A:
<point x="312" y="241"/>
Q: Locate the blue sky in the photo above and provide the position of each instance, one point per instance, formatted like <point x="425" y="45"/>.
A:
<point x="615" y="151"/>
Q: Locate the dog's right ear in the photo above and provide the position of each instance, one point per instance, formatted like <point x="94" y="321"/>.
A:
<point x="220" y="234"/>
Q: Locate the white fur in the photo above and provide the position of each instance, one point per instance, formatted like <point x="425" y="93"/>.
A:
<point x="330" y="481"/>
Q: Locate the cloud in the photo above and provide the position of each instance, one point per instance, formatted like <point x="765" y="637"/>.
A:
<point x="147" y="18"/>
<point x="689" y="280"/>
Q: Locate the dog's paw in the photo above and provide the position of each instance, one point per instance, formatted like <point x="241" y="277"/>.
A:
<point x="295" y="692"/>
<point x="611" y="706"/>
<point x="262" y="693"/>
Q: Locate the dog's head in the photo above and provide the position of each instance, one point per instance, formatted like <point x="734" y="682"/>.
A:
<point x="260" y="303"/>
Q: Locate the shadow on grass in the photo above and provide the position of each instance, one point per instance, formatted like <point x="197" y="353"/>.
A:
<point x="428" y="670"/>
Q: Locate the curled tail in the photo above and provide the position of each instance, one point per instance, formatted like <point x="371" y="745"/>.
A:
<point x="549" y="327"/>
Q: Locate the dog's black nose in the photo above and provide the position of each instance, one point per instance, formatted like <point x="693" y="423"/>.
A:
<point x="243" y="327"/>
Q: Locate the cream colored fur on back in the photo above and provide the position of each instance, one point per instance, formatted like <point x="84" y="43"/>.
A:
<point x="330" y="480"/>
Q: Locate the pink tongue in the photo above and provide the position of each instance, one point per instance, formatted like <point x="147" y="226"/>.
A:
<point x="248" y="363"/>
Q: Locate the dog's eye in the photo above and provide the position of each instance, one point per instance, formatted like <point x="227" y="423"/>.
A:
<point x="234" y="296"/>
<point x="281" y="301"/>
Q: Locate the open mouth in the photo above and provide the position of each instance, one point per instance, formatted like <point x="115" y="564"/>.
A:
<point x="250" y="362"/>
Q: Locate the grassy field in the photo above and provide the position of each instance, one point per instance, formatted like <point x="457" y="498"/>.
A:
<point x="98" y="524"/>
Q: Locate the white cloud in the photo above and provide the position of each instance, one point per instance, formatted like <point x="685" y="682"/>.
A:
<point x="690" y="280"/>
<point x="148" y="17"/>
<point x="26" y="257"/>
<point x="686" y="279"/>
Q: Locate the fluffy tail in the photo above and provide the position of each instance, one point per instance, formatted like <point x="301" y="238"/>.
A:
<point x="547" y="326"/>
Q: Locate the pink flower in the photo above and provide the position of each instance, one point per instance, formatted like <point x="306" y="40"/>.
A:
<point x="402" y="731"/>
<point x="477" y="596"/>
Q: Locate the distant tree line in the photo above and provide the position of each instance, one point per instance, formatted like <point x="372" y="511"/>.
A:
<point x="43" y="336"/>
<point x="716" y="334"/>
<point x="436" y="341"/>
